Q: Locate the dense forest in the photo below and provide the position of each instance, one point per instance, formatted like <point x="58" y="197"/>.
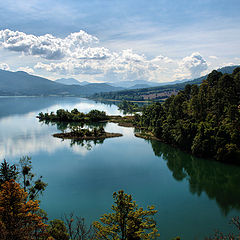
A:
<point x="129" y="107"/>
<point x="204" y="120"/>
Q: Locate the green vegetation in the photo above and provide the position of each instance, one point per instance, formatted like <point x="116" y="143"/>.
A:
<point x="20" y="215"/>
<point x="143" y="94"/>
<point x="79" y="133"/>
<point x="204" y="120"/>
<point x="75" y="119"/>
<point x="129" y="107"/>
<point x="73" y="116"/>
<point x="23" y="172"/>
<point x="127" y="221"/>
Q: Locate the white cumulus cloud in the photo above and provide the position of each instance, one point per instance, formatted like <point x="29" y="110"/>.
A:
<point x="46" y="46"/>
<point x="191" y="66"/>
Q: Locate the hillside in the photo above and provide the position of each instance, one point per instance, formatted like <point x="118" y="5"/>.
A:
<point x="24" y="84"/>
<point x="204" y="120"/>
<point x="155" y="93"/>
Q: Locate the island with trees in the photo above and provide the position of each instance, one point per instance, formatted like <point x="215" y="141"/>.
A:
<point x="78" y="133"/>
<point x="62" y="115"/>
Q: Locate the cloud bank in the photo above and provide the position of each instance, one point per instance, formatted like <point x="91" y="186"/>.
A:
<point x="81" y="53"/>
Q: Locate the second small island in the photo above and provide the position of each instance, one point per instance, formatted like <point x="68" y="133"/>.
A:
<point x="78" y="133"/>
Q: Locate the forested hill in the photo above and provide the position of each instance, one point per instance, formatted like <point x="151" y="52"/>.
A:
<point x="204" y="120"/>
<point x="154" y="93"/>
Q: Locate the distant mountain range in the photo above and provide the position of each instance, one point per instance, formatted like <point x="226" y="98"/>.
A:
<point x="122" y="84"/>
<point x="138" y="84"/>
<point x="71" y="81"/>
<point x="23" y="84"/>
<point x="159" y="92"/>
<point x="134" y="84"/>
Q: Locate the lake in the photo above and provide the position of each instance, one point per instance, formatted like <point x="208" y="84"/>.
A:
<point x="193" y="196"/>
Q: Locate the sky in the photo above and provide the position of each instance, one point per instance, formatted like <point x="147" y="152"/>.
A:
<point x="119" y="40"/>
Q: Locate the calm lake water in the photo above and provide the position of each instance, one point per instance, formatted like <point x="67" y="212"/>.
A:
<point x="193" y="196"/>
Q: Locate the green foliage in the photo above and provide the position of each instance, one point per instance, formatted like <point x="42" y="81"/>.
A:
<point x="127" y="221"/>
<point x="204" y="120"/>
<point x="73" y="116"/>
<point x="129" y="107"/>
<point x="58" y="230"/>
<point x="7" y="172"/>
<point x="96" y="115"/>
<point x="85" y="132"/>
<point x="31" y="185"/>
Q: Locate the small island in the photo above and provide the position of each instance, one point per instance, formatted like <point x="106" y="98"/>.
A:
<point x="74" y="116"/>
<point x="78" y="133"/>
<point x="94" y="116"/>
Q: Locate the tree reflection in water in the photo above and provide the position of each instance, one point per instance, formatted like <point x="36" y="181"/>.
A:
<point x="219" y="181"/>
<point x="88" y="144"/>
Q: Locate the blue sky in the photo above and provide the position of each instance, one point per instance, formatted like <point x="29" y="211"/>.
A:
<point x="155" y="40"/>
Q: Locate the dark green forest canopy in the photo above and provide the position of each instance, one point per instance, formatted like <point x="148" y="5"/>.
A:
<point x="204" y="120"/>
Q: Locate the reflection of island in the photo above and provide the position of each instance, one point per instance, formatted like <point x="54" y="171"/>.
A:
<point x="87" y="144"/>
<point x="78" y="133"/>
<point x="219" y="181"/>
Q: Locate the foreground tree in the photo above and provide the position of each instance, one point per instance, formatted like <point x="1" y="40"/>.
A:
<point x="18" y="217"/>
<point x="127" y="222"/>
<point x="23" y="174"/>
<point x="77" y="228"/>
<point x="7" y="172"/>
<point x="58" y="230"/>
<point x="31" y="185"/>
